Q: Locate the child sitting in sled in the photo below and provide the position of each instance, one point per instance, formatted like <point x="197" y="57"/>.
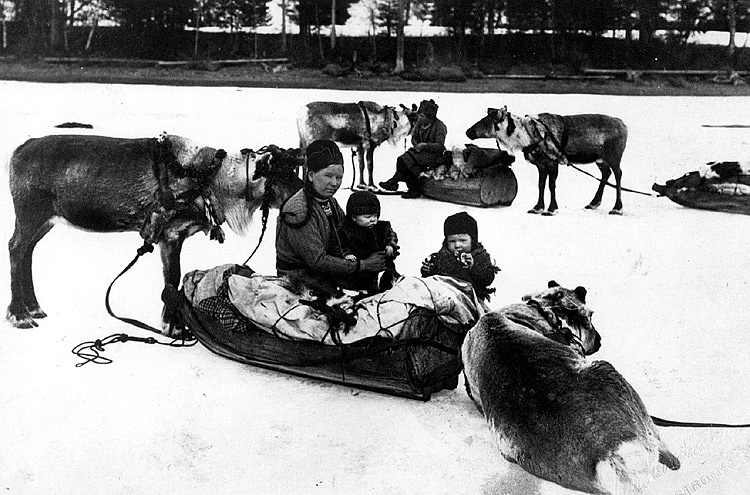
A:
<point x="462" y="256"/>
<point x="363" y="234"/>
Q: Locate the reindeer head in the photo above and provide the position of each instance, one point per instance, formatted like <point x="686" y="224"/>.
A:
<point x="402" y="122"/>
<point x="250" y="180"/>
<point x="567" y="309"/>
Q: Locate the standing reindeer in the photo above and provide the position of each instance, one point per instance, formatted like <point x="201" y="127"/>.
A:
<point x="167" y="188"/>
<point x="364" y="126"/>
<point x="549" y="140"/>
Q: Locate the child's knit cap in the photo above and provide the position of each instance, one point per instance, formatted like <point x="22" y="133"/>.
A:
<point x="362" y="203"/>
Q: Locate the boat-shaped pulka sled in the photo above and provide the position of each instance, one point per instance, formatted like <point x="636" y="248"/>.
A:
<point x="719" y="186"/>
<point x="422" y="359"/>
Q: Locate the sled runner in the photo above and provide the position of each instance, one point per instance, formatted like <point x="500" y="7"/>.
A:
<point x="423" y="359"/>
<point x="478" y="177"/>
<point x="721" y="186"/>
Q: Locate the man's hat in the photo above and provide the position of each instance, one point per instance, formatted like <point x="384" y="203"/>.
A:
<point x="428" y="108"/>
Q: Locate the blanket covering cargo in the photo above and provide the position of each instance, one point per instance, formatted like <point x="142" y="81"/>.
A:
<point x="406" y="341"/>
<point x="719" y="186"/>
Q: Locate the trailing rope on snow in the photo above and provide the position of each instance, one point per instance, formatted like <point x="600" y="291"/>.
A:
<point x="90" y="351"/>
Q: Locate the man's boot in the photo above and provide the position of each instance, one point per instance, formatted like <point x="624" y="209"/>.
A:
<point x="414" y="189"/>
<point x="389" y="185"/>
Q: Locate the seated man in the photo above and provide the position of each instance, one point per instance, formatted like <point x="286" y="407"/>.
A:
<point x="427" y="152"/>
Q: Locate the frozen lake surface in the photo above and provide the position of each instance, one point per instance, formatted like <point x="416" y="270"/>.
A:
<point x="669" y="286"/>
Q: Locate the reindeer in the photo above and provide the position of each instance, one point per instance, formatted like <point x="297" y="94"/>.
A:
<point x="548" y="140"/>
<point x="166" y="188"/>
<point x="559" y="416"/>
<point x="364" y="125"/>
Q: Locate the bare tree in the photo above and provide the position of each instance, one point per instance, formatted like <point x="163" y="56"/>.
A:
<point x="732" y="19"/>
<point x="2" y="16"/>
<point x="94" y="25"/>
<point x="198" y="12"/>
<point x="333" y="25"/>
<point x="400" y="37"/>
<point x="283" y="26"/>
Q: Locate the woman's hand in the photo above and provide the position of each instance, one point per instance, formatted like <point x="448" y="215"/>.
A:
<point x="350" y="257"/>
<point x="389" y="252"/>
<point x="375" y="263"/>
<point x="428" y="266"/>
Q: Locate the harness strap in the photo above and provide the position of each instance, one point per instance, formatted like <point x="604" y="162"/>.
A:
<point x="166" y="204"/>
<point x="268" y="195"/>
<point x="367" y="120"/>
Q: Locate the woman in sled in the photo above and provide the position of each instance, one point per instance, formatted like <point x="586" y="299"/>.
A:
<point x="309" y="250"/>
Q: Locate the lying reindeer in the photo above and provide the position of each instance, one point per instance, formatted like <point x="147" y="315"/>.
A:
<point x="549" y="140"/>
<point x="558" y="416"/>
<point x="364" y="125"/>
<point x="167" y="188"/>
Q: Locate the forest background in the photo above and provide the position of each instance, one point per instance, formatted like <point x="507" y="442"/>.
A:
<point x="477" y="37"/>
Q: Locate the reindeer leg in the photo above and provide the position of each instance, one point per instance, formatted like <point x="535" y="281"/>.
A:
<point x="170" y="250"/>
<point x="552" y="210"/>
<point x="597" y="201"/>
<point x="361" y="157"/>
<point x="539" y="207"/>
<point x="617" y="210"/>
<point x="369" y="152"/>
<point x="32" y="223"/>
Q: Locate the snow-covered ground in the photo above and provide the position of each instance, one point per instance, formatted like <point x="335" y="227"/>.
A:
<point x="669" y="286"/>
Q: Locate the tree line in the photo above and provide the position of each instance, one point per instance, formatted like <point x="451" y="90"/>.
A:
<point x="45" y="24"/>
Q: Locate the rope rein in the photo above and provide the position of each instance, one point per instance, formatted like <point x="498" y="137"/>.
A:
<point x="612" y="185"/>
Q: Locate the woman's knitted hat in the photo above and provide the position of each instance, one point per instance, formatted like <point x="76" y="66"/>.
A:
<point x="461" y="223"/>
<point x="428" y="108"/>
<point x="362" y="203"/>
<point x="322" y="154"/>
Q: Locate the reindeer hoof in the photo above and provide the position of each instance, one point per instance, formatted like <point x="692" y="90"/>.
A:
<point x="21" y="321"/>
<point x="549" y="213"/>
<point x="37" y="313"/>
<point x="535" y="211"/>
<point x="591" y="206"/>
<point x="373" y="188"/>
<point x="173" y="330"/>
<point x="360" y="187"/>
<point x="616" y="211"/>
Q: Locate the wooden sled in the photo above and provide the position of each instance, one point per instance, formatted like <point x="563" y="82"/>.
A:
<point x="495" y="186"/>
<point x="426" y="361"/>
<point x="491" y="181"/>
<point x="730" y="194"/>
